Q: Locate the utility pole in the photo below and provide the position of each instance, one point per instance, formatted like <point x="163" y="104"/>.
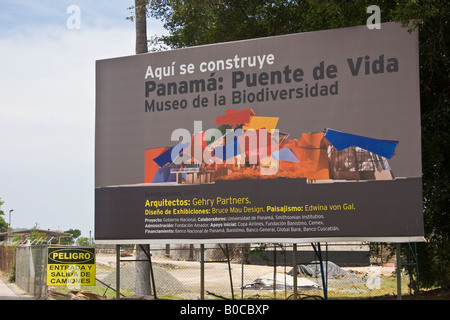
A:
<point x="9" y="225"/>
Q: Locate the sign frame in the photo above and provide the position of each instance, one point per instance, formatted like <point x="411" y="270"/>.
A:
<point x="344" y="80"/>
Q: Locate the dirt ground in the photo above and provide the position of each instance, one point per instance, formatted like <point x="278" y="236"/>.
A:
<point x="185" y="277"/>
<point x="434" y="294"/>
<point x="217" y="276"/>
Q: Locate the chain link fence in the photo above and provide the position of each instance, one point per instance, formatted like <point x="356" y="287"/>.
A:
<point x="228" y="271"/>
<point x="30" y="270"/>
<point x="259" y="271"/>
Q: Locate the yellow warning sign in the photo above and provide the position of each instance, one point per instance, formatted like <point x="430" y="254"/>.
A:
<point x="70" y="266"/>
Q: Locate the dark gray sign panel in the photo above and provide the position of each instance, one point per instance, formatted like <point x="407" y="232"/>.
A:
<point x="296" y="138"/>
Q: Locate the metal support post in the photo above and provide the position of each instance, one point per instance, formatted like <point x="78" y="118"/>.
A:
<point x="325" y="291"/>
<point x="242" y="270"/>
<point x="416" y="264"/>
<point x="274" y="270"/>
<point x="294" y="262"/>
<point x="319" y="254"/>
<point x="229" y="271"/>
<point x="118" y="271"/>
<point x="399" y="270"/>
<point x="202" y="272"/>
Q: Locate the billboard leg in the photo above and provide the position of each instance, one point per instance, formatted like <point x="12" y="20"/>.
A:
<point x="294" y="263"/>
<point x="202" y="272"/>
<point x="399" y="271"/>
<point x="242" y="270"/>
<point x="413" y="251"/>
<point x="319" y="255"/>
<point x="118" y="271"/>
<point x="415" y="263"/>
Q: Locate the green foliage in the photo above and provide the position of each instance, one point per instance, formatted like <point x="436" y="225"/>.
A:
<point x="69" y="241"/>
<point x="197" y="22"/>
<point x="83" y="242"/>
<point x="193" y="22"/>
<point x="3" y="224"/>
<point x="75" y="233"/>
<point x="434" y="38"/>
<point x="34" y="236"/>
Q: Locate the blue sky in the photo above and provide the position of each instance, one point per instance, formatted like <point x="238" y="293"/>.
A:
<point x="47" y="105"/>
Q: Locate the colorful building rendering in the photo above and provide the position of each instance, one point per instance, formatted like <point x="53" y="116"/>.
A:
<point x="249" y="143"/>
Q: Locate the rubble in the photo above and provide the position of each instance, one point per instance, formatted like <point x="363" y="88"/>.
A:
<point x="281" y="282"/>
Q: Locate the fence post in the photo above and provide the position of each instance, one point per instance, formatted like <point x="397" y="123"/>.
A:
<point x="202" y="272"/>
<point x="274" y="270"/>
<point x="118" y="271"/>
<point x="325" y="289"/>
<point x="294" y="262"/>
<point x="399" y="271"/>
<point x="242" y="270"/>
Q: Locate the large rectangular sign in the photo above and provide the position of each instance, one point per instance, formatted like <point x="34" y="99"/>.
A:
<point x="304" y="137"/>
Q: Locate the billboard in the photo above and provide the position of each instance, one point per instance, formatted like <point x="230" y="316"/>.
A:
<point x="297" y="138"/>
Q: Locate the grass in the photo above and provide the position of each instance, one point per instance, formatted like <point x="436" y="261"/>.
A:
<point x="62" y="292"/>
<point x="360" y="292"/>
<point x="338" y="289"/>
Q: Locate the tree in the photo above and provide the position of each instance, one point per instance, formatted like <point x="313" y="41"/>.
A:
<point x="434" y="38"/>
<point x="83" y="242"/>
<point x="229" y="20"/>
<point x="35" y="237"/>
<point x="69" y="241"/>
<point x="194" y="22"/>
<point x="140" y="7"/>
<point x="142" y="265"/>
<point x="4" y="226"/>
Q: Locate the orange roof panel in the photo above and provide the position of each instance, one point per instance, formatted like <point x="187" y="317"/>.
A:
<point x="151" y="166"/>
<point x="233" y="117"/>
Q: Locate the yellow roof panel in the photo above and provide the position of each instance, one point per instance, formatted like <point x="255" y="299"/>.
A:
<point x="268" y="123"/>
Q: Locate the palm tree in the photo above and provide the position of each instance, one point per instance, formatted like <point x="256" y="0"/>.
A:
<point x="140" y="7"/>
<point x="142" y="279"/>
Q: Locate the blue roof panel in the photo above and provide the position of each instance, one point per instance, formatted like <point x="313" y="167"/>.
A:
<point x="342" y="140"/>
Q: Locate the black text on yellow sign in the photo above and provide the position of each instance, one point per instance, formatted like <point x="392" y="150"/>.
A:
<point x="69" y="266"/>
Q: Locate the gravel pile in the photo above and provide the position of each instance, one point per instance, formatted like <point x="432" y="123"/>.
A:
<point x="164" y="281"/>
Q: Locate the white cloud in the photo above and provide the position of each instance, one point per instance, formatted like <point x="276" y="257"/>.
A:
<point x="47" y="118"/>
<point x="50" y="73"/>
<point x="47" y="105"/>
